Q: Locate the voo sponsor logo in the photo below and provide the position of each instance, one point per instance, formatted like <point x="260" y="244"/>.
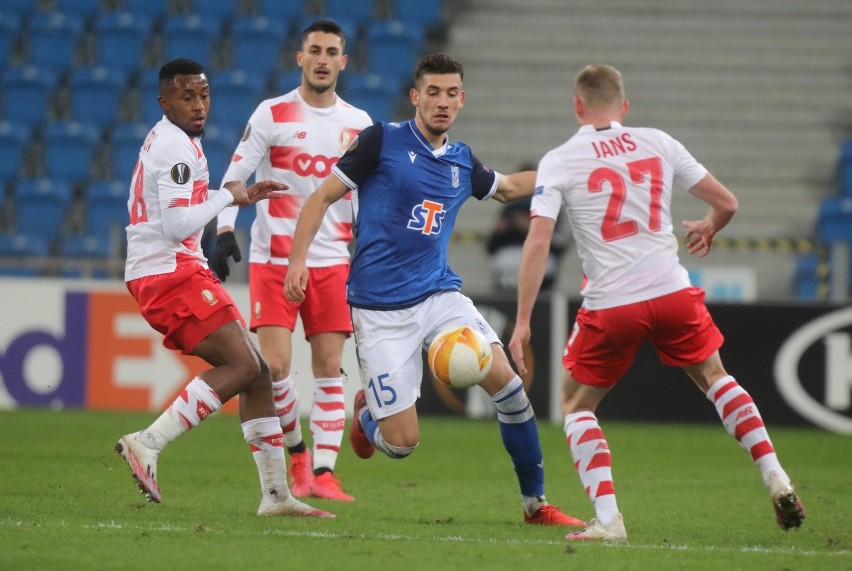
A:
<point x="828" y="330"/>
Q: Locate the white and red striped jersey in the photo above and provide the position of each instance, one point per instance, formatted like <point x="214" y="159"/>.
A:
<point x="616" y="187"/>
<point x="288" y="141"/>
<point x="171" y="172"/>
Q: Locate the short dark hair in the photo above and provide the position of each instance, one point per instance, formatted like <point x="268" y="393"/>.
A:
<point x="179" y="66"/>
<point x="436" y="64"/>
<point x="326" y="26"/>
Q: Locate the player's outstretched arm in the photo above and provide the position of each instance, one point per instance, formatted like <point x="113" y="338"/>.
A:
<point x="515" y="186"/>
<point x="723" y="205"/>
<point x="530" y="275"/>
<point x="310" y="219"/>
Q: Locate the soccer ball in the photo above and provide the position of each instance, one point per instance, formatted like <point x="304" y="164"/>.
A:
<point x="460" y="357"/>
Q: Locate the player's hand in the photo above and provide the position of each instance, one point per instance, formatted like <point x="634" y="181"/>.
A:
<point x="520" y="339"/>
<point x="226" y="245"/>
<point x="265" y="189"/>
<point x="296" y="282"/>
<point x="699" y="236"/>
<point x="238" y="191"/>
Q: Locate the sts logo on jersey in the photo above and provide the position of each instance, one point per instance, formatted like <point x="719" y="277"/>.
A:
<point x="427" y="217"/>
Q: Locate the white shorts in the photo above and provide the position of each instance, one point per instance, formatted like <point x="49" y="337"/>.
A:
<point x="390" y="346"/>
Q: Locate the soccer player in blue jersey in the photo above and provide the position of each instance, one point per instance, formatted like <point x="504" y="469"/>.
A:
<point x="411" y="182"/>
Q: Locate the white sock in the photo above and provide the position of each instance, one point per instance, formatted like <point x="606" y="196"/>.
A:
<point x="287" y="407"/>
<point x="328" y="419"/>
<point x="267" y="448"/>
<point x="196" y="402"/>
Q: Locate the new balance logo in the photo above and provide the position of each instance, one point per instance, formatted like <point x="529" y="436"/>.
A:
<point x="427" y="217"/>
<point x="412" y="155"/>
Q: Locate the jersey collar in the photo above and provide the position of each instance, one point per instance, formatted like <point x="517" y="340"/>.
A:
<point x="612" y="125"/>
<point x="435" y="152"/>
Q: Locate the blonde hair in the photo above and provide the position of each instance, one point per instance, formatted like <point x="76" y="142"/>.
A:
<point x="599" y="86"/>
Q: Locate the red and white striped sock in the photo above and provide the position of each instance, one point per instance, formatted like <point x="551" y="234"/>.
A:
<point x="287" y="407"/>
<point x="328" y="418"/>
<point x="196" y="402"/>
<point x="742" y="420"/>
<point x="266" y="441"/>
<point x="593" y="463"/>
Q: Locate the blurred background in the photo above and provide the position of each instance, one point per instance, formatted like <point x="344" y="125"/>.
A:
<point x="760" y="92"/>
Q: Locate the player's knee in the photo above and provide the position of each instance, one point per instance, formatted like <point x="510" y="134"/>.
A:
<point x="399" y="452"/>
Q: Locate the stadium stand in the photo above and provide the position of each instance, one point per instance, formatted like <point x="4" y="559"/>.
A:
<point x="96" y="94"/>
<point x="235" y="94"/>
<point x="256" y="45"/>
<point x="393" y="47"/>
<point x="425" y="13"/>
<point x="191" y="36"/>
<point x="14" y="139"/>
<point x="106" y="212"/>
<point x="52" y="39"/>
<point x="125" y="142"/>
<point x="69" y="150"/>
<point x="290" y="11"/>
<point x="121" y="39"/>
<point x="28" y="94"/>
<point x="375" y="94"/>
<point x="40" y="207"/>
<point x="154" y="9"/>
<point x="9" y="24"/>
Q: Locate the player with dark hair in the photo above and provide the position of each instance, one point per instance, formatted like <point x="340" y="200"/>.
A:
<point x="167" y="274"/>
<point x="295" y="138"/>
<point x="411" y="182"/>
<point x="615" y="184"/>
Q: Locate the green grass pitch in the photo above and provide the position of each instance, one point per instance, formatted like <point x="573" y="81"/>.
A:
<point x="690" y="497"/>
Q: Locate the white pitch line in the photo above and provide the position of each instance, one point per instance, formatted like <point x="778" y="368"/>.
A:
<point x="310" y="534"/>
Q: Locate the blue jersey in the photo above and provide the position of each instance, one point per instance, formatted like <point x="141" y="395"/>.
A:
<point x="407" y="199"/>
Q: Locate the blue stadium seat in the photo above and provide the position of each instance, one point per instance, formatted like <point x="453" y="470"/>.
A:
<point x="121" y="39"/>
<point x="27" y="94"/>
<point x="219" y="144"/>
<point x="52" y="39"/>
<point x="127" y="139"/>
<point x="835" y="219"/>
<point x="149" y="89"/>
<point x="358" y="12"/>
<point x="418" y="12"/>
<point x="23" y="246"/>
<point x="256" y="44"/>
<point x="10" y="23"/>
<point x="220" y="10"/>
<point x="287" y="81"/>
<point x="374" y="94"/>
<point x="286" y="11"/>
<point x="96" y="94"/>
<point x="83" y="8"/>
<point x="69" y="150"/>
<point x="845" y="169"/>
<point x="234" y="95"/>
<point x="21" y="8"/>
<point x="154" y="9"/>
<point x="190" y="36"/>
<point x="85" y="246"/>
<point x="106" y="210"/>
<point x="393" y="48"/>
<point x="14" y="139"/>
<point x="40" y="206"/>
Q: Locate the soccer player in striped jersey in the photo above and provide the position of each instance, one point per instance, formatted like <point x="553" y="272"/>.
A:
<point x="615" y="184"/>
<point x="167" y="274"/>
<point x="296" y="138"/>
<point x="410" y="182"/>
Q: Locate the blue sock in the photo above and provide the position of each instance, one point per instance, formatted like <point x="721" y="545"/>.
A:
<point x="519" y="432"/>
<point x="370" y="425"/>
